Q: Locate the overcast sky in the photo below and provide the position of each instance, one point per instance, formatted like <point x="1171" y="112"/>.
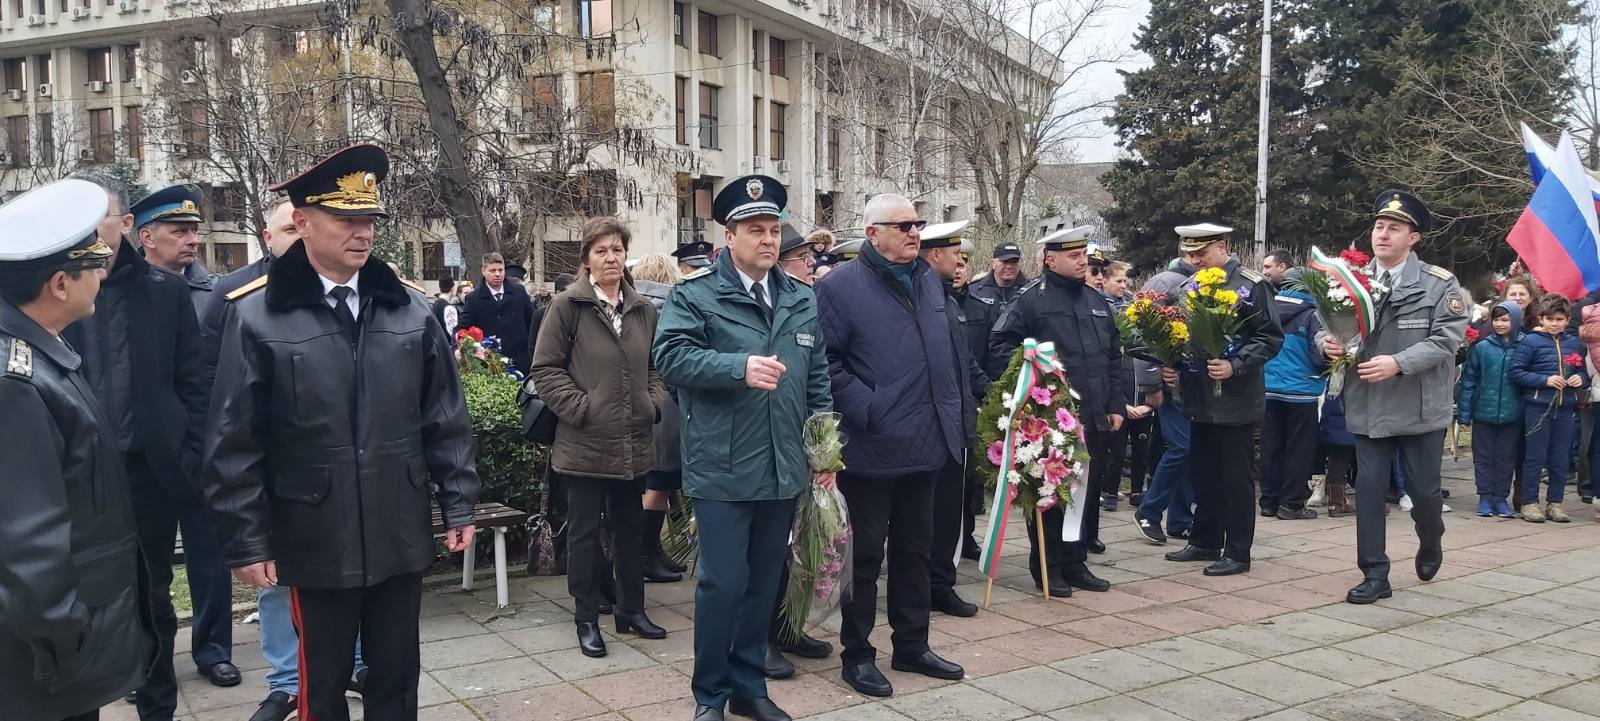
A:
<point x="1117" y="30"/>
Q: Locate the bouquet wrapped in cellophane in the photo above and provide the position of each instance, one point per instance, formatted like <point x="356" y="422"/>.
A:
<point x="1153" y="330"/>
<point x="1214" y="317"/>
<point x="820" y="540"/>
<point x="1347" y="302"/>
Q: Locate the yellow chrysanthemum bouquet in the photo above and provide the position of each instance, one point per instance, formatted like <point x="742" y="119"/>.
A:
<point x="1214" y="317"/>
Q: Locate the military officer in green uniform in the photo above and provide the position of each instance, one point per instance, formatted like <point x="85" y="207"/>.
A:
<point x="741" y="343"/>
<point x="1399" y="398"/>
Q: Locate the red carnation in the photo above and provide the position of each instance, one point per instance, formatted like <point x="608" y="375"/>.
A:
<point x="1472" y="336"/>
<point x="475" y="332"/>
<point x="1355" y="258"/>
<point x="1364" y="280"/>
<point x="1573" y="359"/>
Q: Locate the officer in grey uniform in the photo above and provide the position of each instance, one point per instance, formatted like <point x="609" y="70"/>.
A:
<point x="1399" y="397"/>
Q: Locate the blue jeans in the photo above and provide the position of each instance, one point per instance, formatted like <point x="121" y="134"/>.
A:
<point x="1171" y="490"/>
<point x="280" y="646"/>
<point x="1549" y="438"/>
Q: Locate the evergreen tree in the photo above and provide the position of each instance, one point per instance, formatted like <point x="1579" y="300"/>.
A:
<point x="127" y="173"/>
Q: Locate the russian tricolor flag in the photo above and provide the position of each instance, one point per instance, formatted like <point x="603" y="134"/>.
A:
<point x="1557" y="235"/>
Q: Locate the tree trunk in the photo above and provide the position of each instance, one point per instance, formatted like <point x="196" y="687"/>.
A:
<point x="414" y="29"/>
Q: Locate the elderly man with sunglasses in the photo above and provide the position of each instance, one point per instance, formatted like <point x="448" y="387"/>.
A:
<point x="893" y="365"/>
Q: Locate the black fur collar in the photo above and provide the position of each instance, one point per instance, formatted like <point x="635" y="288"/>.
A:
<point x="292" y="282"/>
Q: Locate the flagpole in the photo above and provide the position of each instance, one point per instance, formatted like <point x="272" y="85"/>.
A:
<point x="1261" y="130"/>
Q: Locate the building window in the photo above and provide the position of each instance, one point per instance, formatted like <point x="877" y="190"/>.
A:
<point x="132" y="63"/>
<point x="229" y="256"/>
<point x="755" y="127"/>
<point x="47" y="138"/>
<point x="776" y="123"/>
<point x="833" y="143"/>
<point x="708" y="116"/>
<point x="541" y="107"/>
<point x="227" y="203"/>
<point x="594" y="18"/>
<point x="17" y="141"/>
<point x="708" y="35"/>
<point x="599" y="102"/>
<point x="681" y="108"/>
<point x="880" y="151"/>
<point x="755" y="49"/>
<point x="42" y="65"/>
<point x="102" y="135"/>
<point x="196" y="136"/>
<point x="133" y="132"/>
<point x="99" y="64"/>
<point x="16" y="74"/>
<point x="680" y="34"/>
<point x="775" y="55"/>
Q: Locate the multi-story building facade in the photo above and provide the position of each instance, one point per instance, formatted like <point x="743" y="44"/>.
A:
<point x="837" y="99"/>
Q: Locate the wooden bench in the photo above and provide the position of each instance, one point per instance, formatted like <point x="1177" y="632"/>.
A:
<point x="487" y="517"/>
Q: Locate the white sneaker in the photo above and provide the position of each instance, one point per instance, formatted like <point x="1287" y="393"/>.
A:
<point x="1405" y="503"/>
<point x="1444" y="508"/>
<point x="1316" y="500"/>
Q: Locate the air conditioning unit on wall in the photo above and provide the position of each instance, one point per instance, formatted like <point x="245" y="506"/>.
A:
<point x="97" y="86"/>
<point x="45" y="90"/>
<point x="35" y="20"/>
<point x="79" y="13"/>
<point x="128" y="6"/>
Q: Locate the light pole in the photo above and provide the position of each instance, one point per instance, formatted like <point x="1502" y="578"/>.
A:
<point x="1261" y="131"/>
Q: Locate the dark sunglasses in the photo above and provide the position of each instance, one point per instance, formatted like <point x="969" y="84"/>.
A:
<point x="906" y="226"/>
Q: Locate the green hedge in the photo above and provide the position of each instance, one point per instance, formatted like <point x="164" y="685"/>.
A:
<point x="508" y="465"/>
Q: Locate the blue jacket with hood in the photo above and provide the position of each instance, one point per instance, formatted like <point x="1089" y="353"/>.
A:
<point x="1294" y="375"/>
<point x="1488" y="393"/>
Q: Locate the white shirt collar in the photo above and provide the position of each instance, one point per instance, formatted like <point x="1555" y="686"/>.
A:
<point x="352" y="284"/>
<point x="766" y="283"/>
<point x="1394" y="272"/>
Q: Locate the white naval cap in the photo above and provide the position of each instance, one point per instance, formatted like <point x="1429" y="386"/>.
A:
<point x="943" y="235"/>
<point x="58" y="223"/>
<point x="1197" y="236"/>
<point x="1067" y="238"/>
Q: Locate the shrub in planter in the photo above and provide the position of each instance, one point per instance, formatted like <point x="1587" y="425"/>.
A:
<point x="508" y="465"/>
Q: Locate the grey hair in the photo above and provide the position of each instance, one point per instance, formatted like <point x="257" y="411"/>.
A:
<point x="111" y="185"/>
<point x="878" y="206"/>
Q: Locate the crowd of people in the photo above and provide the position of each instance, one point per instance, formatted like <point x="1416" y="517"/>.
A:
<point x="300" y="418"/>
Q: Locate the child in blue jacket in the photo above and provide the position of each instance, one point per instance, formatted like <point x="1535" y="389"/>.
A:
<point x="1491" y="404"/>
<point x="1549" y="365"/>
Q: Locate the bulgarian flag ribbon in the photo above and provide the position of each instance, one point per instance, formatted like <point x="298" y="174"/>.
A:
<point x="1041" y="359"/>
<point x="1366" y="309"/>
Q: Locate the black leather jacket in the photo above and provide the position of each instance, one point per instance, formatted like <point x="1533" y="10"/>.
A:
<point x="1077" y="318"/>
<point x="75" y="631"/>
<point x="319" y="452"/>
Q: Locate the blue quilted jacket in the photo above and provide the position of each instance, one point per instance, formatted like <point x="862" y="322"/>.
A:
<point x="1538" y="357"/>
<point x="1487" y="392"/>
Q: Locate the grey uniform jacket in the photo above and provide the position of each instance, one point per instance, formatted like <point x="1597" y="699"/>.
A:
<point x="1421" y="322"/>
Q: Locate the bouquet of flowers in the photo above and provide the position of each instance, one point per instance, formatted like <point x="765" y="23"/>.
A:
<point x="476" y="353"/>
<point x="820" y="544"/>
<point x="1347" y="301"/>
<point x="1029" y="425"/>
<point x="1213" y="314"/>
<point x="1152" y="330"/>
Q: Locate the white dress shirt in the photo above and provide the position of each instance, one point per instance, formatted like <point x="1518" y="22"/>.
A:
<point x="354" y="301"/>
<point x="766" y="285"/>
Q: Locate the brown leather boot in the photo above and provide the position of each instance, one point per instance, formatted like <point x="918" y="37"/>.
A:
<point x="1337" y="504"/>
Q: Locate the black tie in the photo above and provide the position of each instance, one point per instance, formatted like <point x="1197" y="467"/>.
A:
<point x="341" y="309"/>
<point x="761" y="299"/>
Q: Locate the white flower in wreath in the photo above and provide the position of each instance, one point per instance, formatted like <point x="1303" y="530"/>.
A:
<point x="1004" y="422"/>
<point x="1338" y="293"/>
<point x="1077" y="469"/>
<point x="1058" y="439"/>
<point x="1009" y="403"/>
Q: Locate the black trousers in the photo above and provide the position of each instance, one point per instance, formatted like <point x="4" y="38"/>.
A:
<point x="385" y="617"/>
<point x="85" y="716"/>
<point x="618" y="501"/>
<point x="949" y="529"/>
<point x="1225" y="513"/>
<point x="1420" y="456"/>
<point x="974" y="500"/>
<point x="1143" y="433"/>
<point x="1068" y="557"/>
<point x="1288" y="452"/>
<point x="743" y="547"/>
<point x="897" y="510"/>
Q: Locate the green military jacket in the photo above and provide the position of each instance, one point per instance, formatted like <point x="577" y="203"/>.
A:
<point x="738" y="443"/>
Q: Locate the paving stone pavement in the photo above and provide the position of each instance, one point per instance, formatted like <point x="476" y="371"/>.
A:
<point x="1509" y="631"/>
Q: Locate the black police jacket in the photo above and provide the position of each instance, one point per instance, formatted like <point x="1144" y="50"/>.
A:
<point x="1243" y="398"/>
<point x="75" y="628"/>
<point x="320" y="452"/>
<point x="1077" y="318"/>
<point x="978" y="314"/>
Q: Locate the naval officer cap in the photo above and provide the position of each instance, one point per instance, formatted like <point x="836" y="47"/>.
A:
<point x="849" y="249"/>
<point x="943" y="235"/>
<point x="1196" y="237"/>
<point x="1097" y="255"/>
<point x="792" y="241"/>
<point x="344" y="183"/>
<point x="1067" y="238"/>
<point x="695" y="254"/>
<point x="62" y="220"/>
<point x="1405" y="207"/>
<point x="172" y="204"/>
<point x="751" y="196"/>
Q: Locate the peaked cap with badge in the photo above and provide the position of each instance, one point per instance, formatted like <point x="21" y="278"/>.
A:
<point x="1405" y="207"/>
<point x="750" y="196"/>
<point x="1067" y="239"/>
<point x="944" y="235"/>
<point x="849" y="249"/>
<point x="695" y="254"/>
<point x="344" y="183"/>
<point x="62" y="219"/>
<point x="1192" y="238"/>
<point x="172" y="204"/>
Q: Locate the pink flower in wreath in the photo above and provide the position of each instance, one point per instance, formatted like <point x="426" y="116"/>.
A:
<point x="1055" y="467"/>
<point x="1033" y="428"/>
<point x="1040" y="395"/>
<point x="1065" y="420"/>
<point x="996" y="452"/>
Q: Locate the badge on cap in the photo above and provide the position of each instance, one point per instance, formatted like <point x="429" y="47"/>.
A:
<point x="753" y="188"/>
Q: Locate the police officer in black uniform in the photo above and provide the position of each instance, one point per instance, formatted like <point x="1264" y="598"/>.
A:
<point x="1222" y="430"/>
<point x="692" y="256"/>
<point x="75" y="621"/>
<point x="987" y="296"/>
<point x="1061" y="307"/>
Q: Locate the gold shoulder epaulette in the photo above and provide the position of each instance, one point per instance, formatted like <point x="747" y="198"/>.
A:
<point x="248" y="288"/>
<point x="1251" y="274"/>
<point x="1438" y="272"/>
<point x="19" y="360"/>
<point x="411" y="285"/>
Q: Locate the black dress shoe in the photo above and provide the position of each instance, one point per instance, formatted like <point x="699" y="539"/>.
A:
<point x="928" y="664"/>
<point x="590" y="642"/>
<point x="1369" y="591"/>
<point x="277" y="707"/>
<point x="1268" y="512"/>
<point x="1226" y="567"/>
<point x="806" y="647"/>
<point x="970" y="550"/>
<point x="1289" y="514"/>
<point x="639" y="625"/>
<point x="221" y="674"/>
<point x="761" y="709"/>
<point x="655" y="572"/>
<point x="775" y="666"/>
<point x="707" y="713"/>
<point x="950" y="604"/>
<point x="1428" y="562"/>
<point x="1057" y="590"/>
<point x="1087" y="581"/>
<point x="1150" y="531"/>
<point x="1094" y="545"/>
<point x="867" y="680"/>
<point x="1194" y="553"/>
